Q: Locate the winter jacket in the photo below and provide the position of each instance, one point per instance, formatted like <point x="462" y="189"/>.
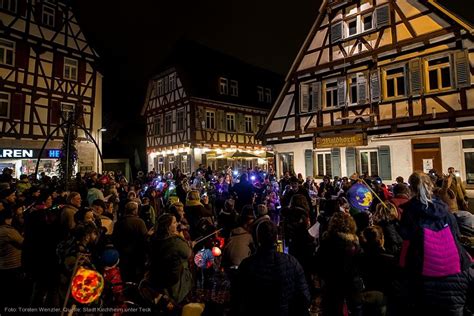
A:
<point x="393" y="240"/>
<point x="271" y="283"/>
<point x="10" y="247"/>
<point x="194" y="213"/>
<point x="399" y="200"/>
<point x="378" y="270"/>
<point x="169" y="269"/>
<point x="238" y="247"/>
<point x="425" y="266"/>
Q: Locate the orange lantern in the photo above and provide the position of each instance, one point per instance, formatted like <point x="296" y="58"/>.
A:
<point x="216" y="251"/>
<point x="87" y="286"/>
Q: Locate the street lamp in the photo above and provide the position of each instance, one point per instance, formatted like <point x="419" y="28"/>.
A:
<point x="99" y="143"/>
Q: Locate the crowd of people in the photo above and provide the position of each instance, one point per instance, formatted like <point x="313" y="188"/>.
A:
<point x="289" y="245"/>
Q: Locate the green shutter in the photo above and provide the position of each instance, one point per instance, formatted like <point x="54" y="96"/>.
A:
<point x="463" y="71"/>
<point x="385" y="166"/>
<point x="308" y="162"/>
<point x="336" y="162"/>
<point x="416" y="85"/>
<point x="351" y="161"/>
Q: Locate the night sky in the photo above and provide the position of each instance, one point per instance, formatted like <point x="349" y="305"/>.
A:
<point x="133" y="38"/>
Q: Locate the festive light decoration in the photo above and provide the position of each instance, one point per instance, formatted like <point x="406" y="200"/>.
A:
<point x="216" y="251"/>
<point x="87" y="285"/>
<point x="204" y="259"/>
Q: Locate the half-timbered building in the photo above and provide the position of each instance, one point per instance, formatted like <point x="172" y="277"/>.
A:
<point x="206" y="107"/>
<point x="381" y="87"/>
<point x="47" y="73"/>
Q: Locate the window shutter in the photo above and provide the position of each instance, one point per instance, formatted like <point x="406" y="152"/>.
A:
<point x="316" y="91"/>
<point x="81" y="75"/>
<point x="351" y="161"/>
<point x="22" y="54"/>
<point x="22" y="7"/>
<point x="382" y="16"/>
<point x="220" y="120"/>
<point x="308" y="162"/>
<point x="17" y="106"/>
<point x="336" y="162"/>
<point x="385" y="167"/>
<point x="463" y="71"/>
<point x="361" y="88"/>
<point x="341" y="91"/>
<point x="416" y="85"/>
<point x="58" y="65"/>
<point x="336" y="32"/>
<point x="55" y="112"/>
<point x="304" y="98"/>
<point x="375" y="86"/>
<point x="256" y="124"/>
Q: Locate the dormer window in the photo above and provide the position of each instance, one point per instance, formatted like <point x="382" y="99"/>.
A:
<point x="223" y="86"/>
<point x="47" y="18"/>
<point x="234" y="88"/>
<point x="260" y="94"/>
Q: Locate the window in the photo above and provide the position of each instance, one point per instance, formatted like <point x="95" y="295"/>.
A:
<point x="9" y="5"/>
<point x="48" y="15"/>
<point x="331" y="94"/>
<point x="230" y="119"/>
<point x="323" y="161"/>
<point x="184" y="164"/>
<point x="223" y="86"/>
<point x="70" y="69"/>
<point x="4" y="104"/>
<point x="6" y="52"/>
<point x="268" y="95"/>
<point x="468" y="148"/>
<point x="180" y="120"/>
<point x="168" y="123"/>
<point x="439" y="74"/>
<point x="172" y="82"/>
<point x="367" y="22"/>
<point x="210" y="120"/>
<point x="260" y="93"/>
<point x="157" y="126"/>
<point x="165" y="85"/>
<point x="159" y="87"/>
<point x="67" y="110"/>
<point x="352" y="28"/>
<point x="369" y="163"/>
<point x="286" y="162"/>
<point x="353" y="90"/>
<point x="248" y="124"/>
<point x="395" y="82"/>
<point x="234" y="88"/>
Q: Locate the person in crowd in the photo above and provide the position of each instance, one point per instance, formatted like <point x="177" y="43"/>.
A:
<point x="457" y="186"/>
<point x="95" y="193"/>
<point x="386" y="217"/>
<point x="401" y="195"/>
<point x="73" y="204"/>
<point x="337" y="268"/>
<point x="437" y="267"/>
<point x="284" y="182"/>
<point x="261" y="214"/>
<point x="300" y="179"/>
<point x="196" y="212"/>
<point x="8" y="198"/>
<point x="378" y="188"/>
<point x="23" y="185"/>
<point x="296" y="188"/>
<point x="326" y="189"/>
<point x="43" y="232"/>
<point x="99" y="207"/>
<point x="147" y="213"/>
<point x="11" y="272"/>
<point x="269" y="282"/>
<point x="446" y="194"/>
<point x="129" y="236"/>
<point x="177" y="210"/>
<point x="227" y="218"/>
<point x="222" y="193"/>
<point x="169" y="271"/>
<point x="243" y="192"/>
<point x="79" y="245"/>
<point x="240" y="243"/>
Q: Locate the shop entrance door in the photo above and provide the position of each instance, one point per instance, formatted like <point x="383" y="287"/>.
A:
<point x="427" y="155"/>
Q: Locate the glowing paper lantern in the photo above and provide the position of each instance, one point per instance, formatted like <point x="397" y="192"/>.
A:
<point x="359" y="197"/>
<point x="216" y="251"/>
<point x="87" y="286"/>
<point x="204" y="259"/>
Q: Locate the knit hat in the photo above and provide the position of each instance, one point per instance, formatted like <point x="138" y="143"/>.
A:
<point x="110" y="257"/>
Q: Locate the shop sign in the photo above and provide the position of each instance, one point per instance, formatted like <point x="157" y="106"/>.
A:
<point x="341" y="140"/>
<point x="12" y="153"/>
